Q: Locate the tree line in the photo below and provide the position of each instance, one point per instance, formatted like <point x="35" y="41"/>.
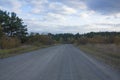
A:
<point x="92" y="37"/>
<point x="13" y="33"/>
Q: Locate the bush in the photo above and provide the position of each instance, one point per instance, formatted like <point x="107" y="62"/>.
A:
<point x="82" y="40"/>
<point x="9" y="42"/>
<point x="117" y="40"/>
<point x="38" y="39"/>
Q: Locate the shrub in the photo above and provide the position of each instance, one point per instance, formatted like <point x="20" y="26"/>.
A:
<point x="117" y="40"/>
<point x="9" y="42"/>
<point x="82" y="40"/>
<point x="40" y="39"/>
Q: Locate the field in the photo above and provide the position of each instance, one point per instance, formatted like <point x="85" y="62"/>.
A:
<point x="108" y="53"/>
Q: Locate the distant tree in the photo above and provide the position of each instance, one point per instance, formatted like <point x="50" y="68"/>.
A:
<point x="77" y="36"/>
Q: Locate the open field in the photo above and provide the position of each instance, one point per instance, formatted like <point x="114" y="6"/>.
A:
<point x="109" y="53"/>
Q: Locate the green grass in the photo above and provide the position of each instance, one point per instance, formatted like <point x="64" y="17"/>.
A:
<point x="4" y="53"/>
<point x="108" y="53"/>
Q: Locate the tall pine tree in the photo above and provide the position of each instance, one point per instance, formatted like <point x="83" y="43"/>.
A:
<point x="12" y="25"/>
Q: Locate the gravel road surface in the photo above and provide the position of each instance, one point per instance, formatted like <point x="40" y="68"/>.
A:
<point x="62" y="62"/>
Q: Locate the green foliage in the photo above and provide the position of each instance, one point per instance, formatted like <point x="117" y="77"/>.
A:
<point x="12" y="25"/>
<point x="93" y="37"/>
<point x="1" y="32"/>
<point x="63" y="38"/>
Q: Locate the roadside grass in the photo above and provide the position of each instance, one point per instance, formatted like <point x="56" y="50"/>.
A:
<point x="4" y="53"/>
<point x="108" y="53"/>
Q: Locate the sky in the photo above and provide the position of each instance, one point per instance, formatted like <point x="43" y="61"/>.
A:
<point x="66" y="16"/>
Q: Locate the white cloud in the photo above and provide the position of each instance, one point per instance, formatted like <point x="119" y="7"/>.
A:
<point x="68" y="10"/>
<point x="84" y="15"/>
<point x="10" y="5"/>
<point x="16" y="6"/>
<point x="38" y="6"/>
<point x="61" y="8"/>
<point x="55" y="17"/>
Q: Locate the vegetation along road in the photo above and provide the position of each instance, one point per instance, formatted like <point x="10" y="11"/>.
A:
<point x="63" y="62"/>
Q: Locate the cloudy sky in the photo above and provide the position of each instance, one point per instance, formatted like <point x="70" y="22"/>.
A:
<point x="66" y="16"/>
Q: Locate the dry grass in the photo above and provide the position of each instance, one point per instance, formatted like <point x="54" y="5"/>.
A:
<point x="109" y="53"/>
<point x="4" y="53"/>
<point x="9" y="42"/>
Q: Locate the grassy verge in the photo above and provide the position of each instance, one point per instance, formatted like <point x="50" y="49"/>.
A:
<point x="4" y="53"/>
<point x="109" y="53"/>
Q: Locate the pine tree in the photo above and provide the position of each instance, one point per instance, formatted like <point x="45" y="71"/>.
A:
<point x="12" y="25"/>
<point x="1" y="33"/>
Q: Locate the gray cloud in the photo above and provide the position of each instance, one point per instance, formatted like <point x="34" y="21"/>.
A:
<point x="60" y="16"/>
<point x="104" y="6"/>
<point x="109" y="24"/>
<point x="101" y="6"/>
<point x="5" y="3"/>
<point x="78" y="4"/>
